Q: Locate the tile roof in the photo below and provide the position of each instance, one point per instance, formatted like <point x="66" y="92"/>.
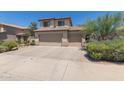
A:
<point x="54" y="18"/>
<point x="75" y="28"/>
<point x="12" y="25"/>
<point x="58" y="28"/>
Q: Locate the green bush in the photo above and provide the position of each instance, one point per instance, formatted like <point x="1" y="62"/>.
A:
<point x="33" y="42"/>
<point x="112" y="50"/>
<point x="10" y="44"/>
<point x="3" y="48"/>
<point x="1" y="42"/>
<point x="26" y="42"/>
<point x="96" y="56"/>
<point x="18" y="41"/>
<point x="96" y="50"/>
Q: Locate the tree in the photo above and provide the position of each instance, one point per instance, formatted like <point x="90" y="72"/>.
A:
<point x="104" y="26"/>
<point x="32" y="27"/>
<point x="88" y="30"/>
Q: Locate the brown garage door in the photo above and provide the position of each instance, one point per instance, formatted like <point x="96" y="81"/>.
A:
<point x="50" y="37"/>
<point x="74" y="36"/>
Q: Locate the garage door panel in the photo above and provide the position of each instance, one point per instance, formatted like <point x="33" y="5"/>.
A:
<point x="50" y="37"/>
<point x="74" y="37"/>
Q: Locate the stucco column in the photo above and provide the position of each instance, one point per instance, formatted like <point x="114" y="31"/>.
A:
<point x="65" y="38"/>
<point x="52" y="23"/>
<point x="37" y="37"/>
<point x="83" y="43"/>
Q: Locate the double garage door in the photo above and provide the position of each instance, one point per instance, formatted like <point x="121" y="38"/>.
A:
<point x="50" y="37"/>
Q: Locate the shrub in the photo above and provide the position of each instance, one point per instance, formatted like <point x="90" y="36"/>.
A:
<point x="3" y="48"/>
<point x="118" y="53"/>
<point x="10" y="44"/>
<point x="112" y="50"/>
<point x="96" y="56"/>
<point x="1" y="42"/>
<point x="18" y="41"/>
<point x="26" y="42"/>
<point x="33" y="42"/>
<point x="96" y="50"/>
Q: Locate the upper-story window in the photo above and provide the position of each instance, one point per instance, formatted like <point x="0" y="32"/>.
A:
<point x="61" y="23"/>
<point x="46" y="24"/>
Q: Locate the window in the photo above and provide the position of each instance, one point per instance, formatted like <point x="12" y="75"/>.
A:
<point x="2" y="30"/>
<point x="61" y="23"/>
<point x="47" y="24"/>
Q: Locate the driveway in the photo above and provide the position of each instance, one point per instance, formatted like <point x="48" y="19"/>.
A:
<point x="55" y="63"/>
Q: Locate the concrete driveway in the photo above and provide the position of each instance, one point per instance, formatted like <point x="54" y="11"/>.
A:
<point x="55" y="63"/>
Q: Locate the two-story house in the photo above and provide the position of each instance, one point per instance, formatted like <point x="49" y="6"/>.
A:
<point x="9" y="31"/>
<point x="59" y="30"/>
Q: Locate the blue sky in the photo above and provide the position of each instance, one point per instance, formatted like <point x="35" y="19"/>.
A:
<point x="24" y="18"/>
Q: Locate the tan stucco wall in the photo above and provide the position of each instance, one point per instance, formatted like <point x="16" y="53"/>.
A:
<point x="54" y="22"/>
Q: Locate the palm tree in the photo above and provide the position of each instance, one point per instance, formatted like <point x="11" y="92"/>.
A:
<point x="88" y="30"/>
<point x="104" y="26"/>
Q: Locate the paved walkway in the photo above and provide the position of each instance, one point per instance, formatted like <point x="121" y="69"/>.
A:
<point x="55" y="63"/>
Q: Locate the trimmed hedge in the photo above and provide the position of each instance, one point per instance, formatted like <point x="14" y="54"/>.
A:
<point x="112" y="50"/>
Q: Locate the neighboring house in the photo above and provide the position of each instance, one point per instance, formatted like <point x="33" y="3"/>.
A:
<point x="59" y="30"/>
<point x="3" y="36"/>
<point x="8" y="31"/>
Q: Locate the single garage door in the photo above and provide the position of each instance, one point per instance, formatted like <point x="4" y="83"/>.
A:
<point x="50" y="37"/>
<point x="74" y="36"/>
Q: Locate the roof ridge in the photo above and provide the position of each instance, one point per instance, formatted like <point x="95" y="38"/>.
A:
<point x="13" y="25"/>
<point x="54" y="18"/>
